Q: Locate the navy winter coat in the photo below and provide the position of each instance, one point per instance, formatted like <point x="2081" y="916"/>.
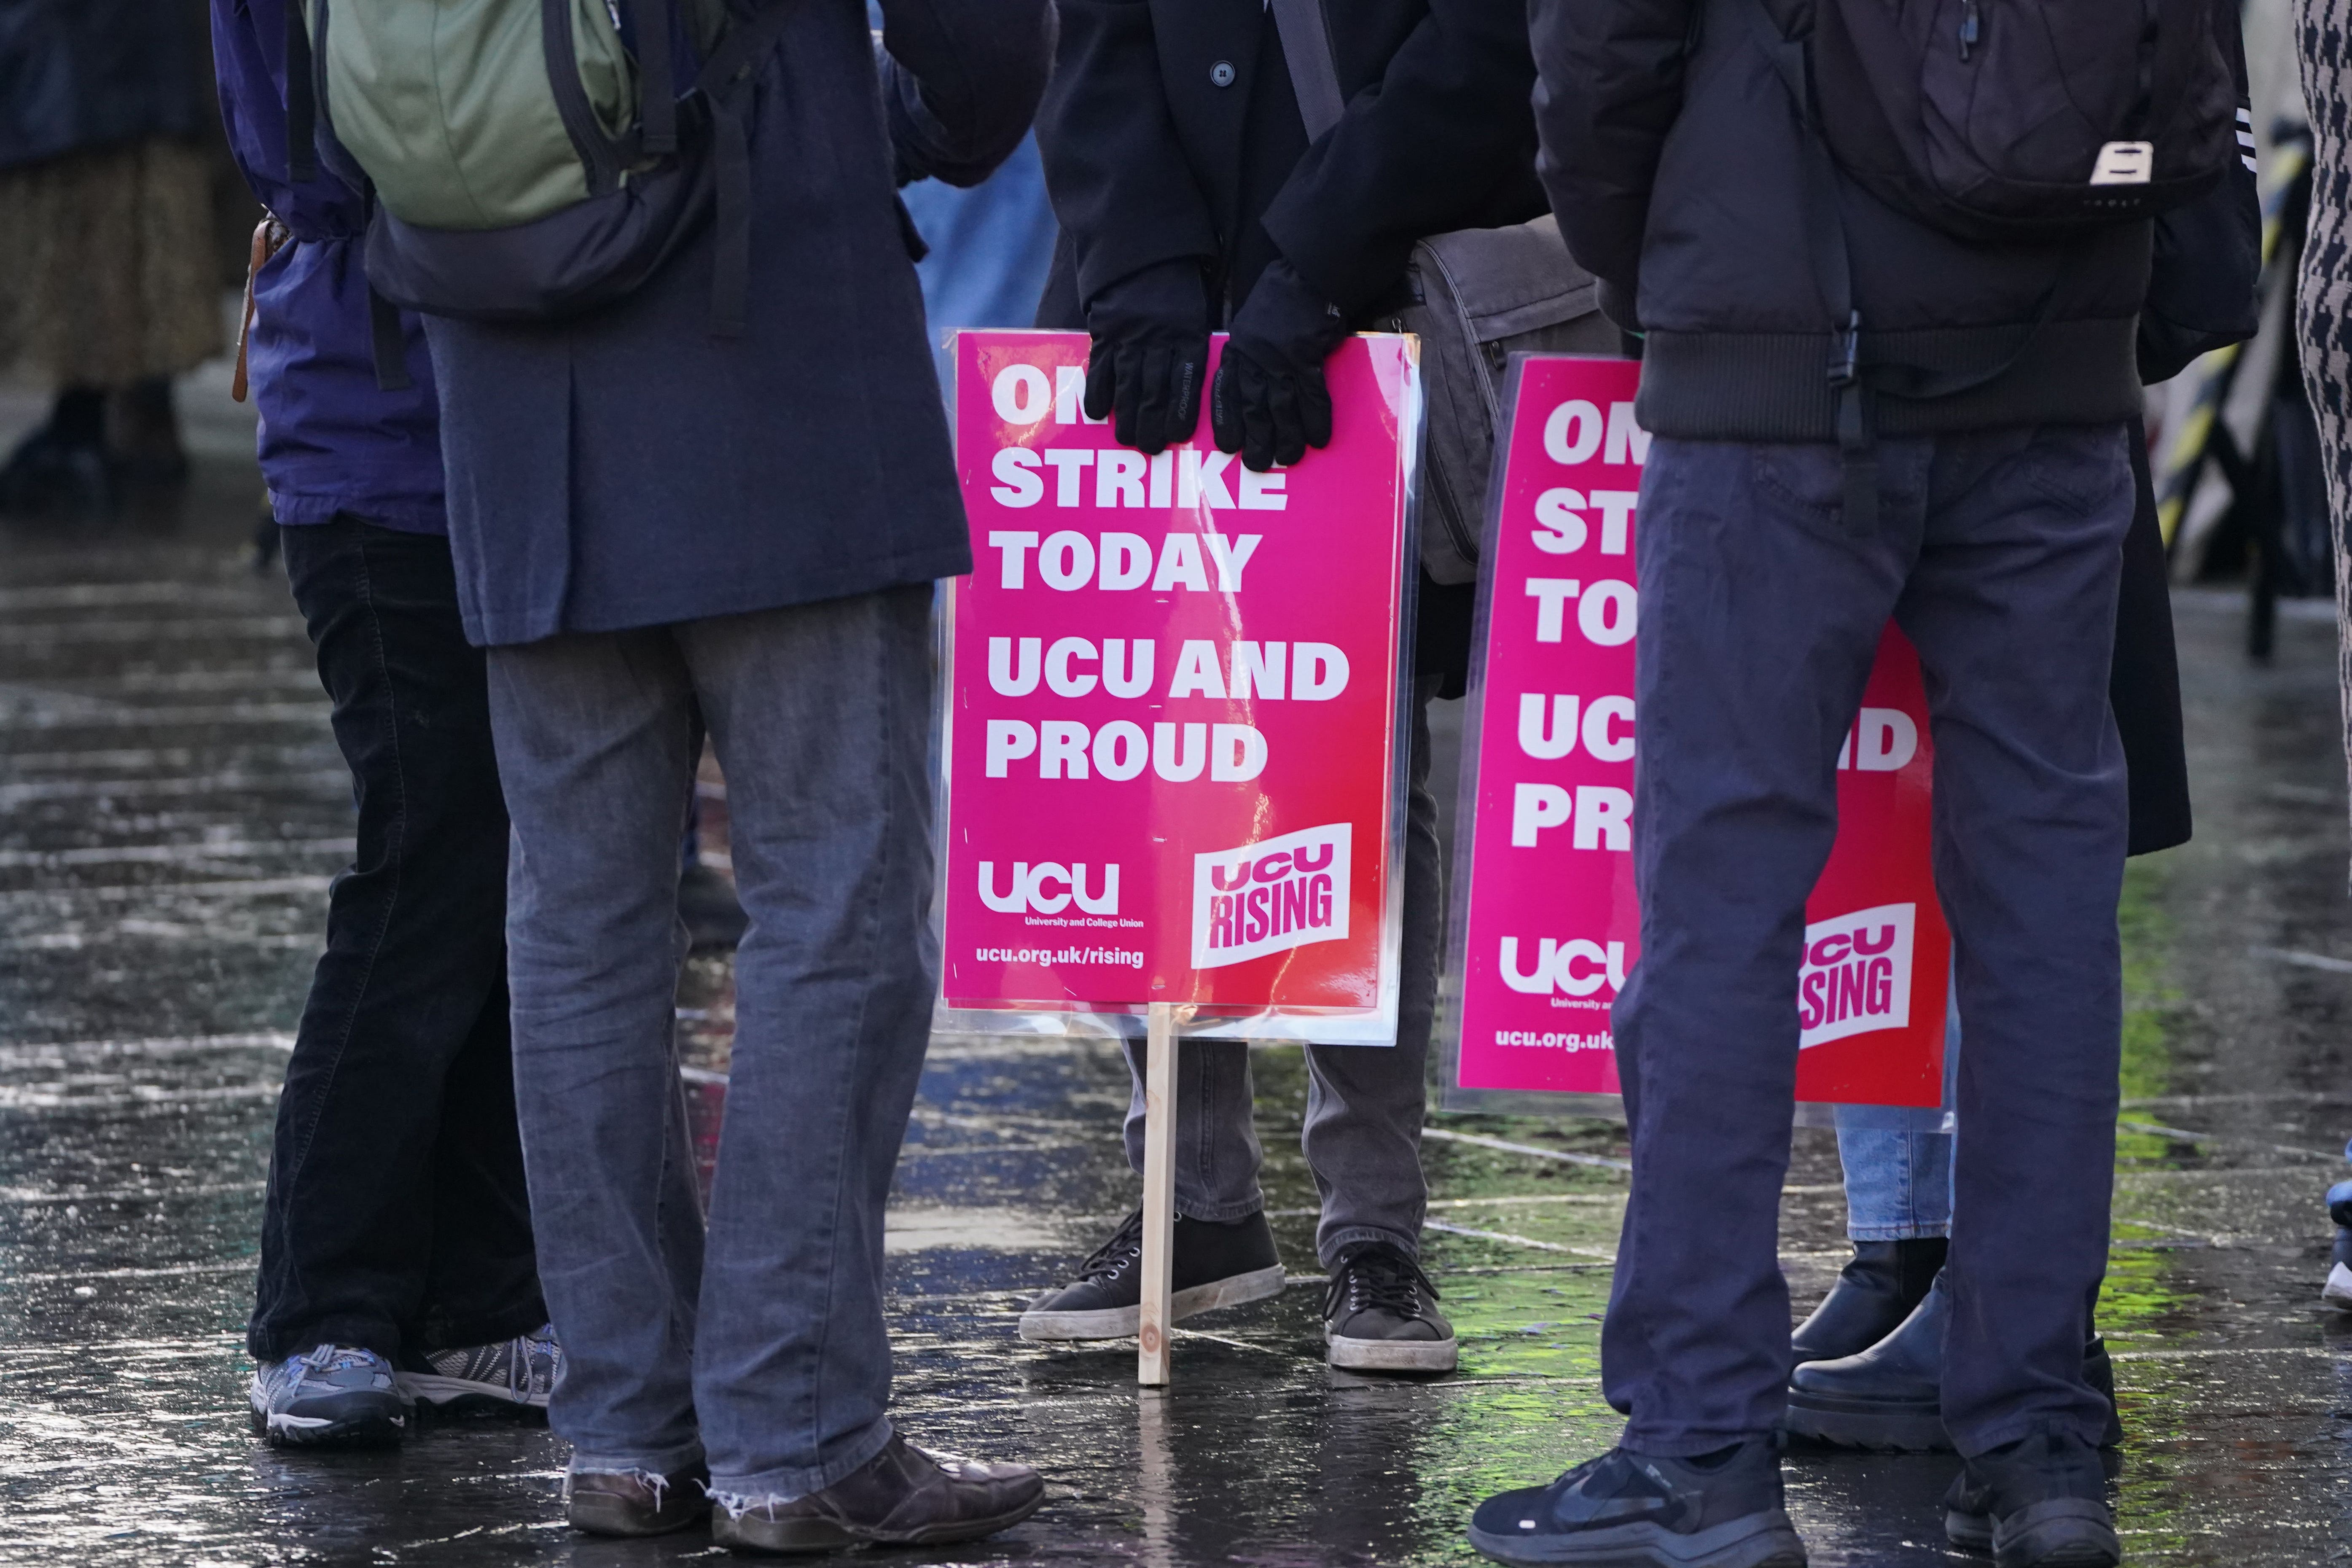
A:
<point x="627" y="469"/>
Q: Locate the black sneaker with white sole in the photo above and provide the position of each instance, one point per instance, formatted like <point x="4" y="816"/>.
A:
<point x="1640" y="1510"/>
<point x="1379" y="1314"/>
<point x="511" y="1377"/>
<point x="1215" y="1265"/>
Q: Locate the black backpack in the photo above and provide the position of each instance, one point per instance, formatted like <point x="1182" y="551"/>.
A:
<point x="1995" y="119"/>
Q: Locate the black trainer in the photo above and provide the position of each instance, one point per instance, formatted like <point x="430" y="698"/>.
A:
<point x="1215" y="1265"/>
<point x="2039" y="1502"/>
<point x="1379" y="1314"/>
<point x="1873" y="1293"/>
<point x="1625" y="1509"/>
<point x="1890" y="1397"/>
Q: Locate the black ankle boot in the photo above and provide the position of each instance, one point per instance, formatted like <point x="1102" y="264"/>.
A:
<point x="1890" y="1396"/>
<point x="1872" y="1296"/>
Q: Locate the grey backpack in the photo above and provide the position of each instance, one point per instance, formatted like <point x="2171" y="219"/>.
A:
<point x="523" y="163"/>
<point x="1480" y="295"/>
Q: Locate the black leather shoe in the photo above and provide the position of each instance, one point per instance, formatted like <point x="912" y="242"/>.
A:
<point x="635" y="1502"/>
<point x="903" y="1496"/>
<point x="2040" y="1503"/>
<point x="1872" y="1296"/>
<point x="1639" y="1511"/>
<point x="1890" y="1396"/>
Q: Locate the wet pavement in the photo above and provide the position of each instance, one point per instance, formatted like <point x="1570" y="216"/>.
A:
<point x="171" y="809"/>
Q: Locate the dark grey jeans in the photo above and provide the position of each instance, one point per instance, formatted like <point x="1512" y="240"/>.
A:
<point x="1998" y="554"/>
<point x="763" y="1347"/>
<point x="1364" y="1103"/>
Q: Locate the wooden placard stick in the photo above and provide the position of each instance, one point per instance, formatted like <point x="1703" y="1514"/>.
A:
<point x="1152" y="1328"/>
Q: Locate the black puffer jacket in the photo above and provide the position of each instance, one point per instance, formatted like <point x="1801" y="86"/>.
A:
<point x="1677" y="164"/>
<point x="1169" y="130"/>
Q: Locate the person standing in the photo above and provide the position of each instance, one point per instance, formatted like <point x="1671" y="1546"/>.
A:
<point x="1191" y="199"/>
<point x="1859" y="415"/>
<point x="396" y="1255"/>
<point x="659" y="528"/>
<point x="110" y="271"/>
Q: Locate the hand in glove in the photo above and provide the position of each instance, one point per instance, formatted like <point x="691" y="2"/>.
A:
<point x="1149" y="354"/>
<point x="1269" y="402"/>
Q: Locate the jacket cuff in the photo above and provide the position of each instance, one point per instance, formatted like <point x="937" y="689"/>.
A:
<point x="1616" y="302"/>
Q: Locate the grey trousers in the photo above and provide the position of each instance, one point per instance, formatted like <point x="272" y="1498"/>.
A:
<point x="1998" y="554"/>
<point x="761" y="1347"/>
<point x="1364" y="1103"/>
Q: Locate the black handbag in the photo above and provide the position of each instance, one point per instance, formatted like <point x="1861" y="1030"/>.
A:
<point x="1479" y="296"/>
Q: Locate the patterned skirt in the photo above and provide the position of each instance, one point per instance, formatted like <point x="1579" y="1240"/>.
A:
<point x="108" y="272"/>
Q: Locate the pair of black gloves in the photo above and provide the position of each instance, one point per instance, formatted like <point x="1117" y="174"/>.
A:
<point x="1151" y="352"/>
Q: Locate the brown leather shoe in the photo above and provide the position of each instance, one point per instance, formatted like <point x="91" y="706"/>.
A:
<point x="903" y="1496"/>
<point x="635" y="1502"/>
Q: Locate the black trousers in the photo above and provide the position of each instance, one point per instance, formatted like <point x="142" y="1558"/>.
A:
<point x="397" y="1217"/>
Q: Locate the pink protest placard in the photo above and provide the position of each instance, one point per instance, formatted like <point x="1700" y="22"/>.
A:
<point x="1547" y="928"/>
<point x="1171" y="741"/>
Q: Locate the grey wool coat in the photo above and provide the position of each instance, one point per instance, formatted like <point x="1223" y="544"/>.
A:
<point x="626" y="469"/>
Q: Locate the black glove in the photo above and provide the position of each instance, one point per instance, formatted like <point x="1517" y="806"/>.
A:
<point x="1270" y="402"/>
<point x="1149" y="354"/>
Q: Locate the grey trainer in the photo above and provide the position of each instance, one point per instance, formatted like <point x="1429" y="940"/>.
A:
<point x="331" y="1396"/>
<point x="512" y="1376"/>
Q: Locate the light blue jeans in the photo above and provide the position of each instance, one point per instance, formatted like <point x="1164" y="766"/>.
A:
<point x="762" y="1346"/>
<point x="1898" y="1160"/>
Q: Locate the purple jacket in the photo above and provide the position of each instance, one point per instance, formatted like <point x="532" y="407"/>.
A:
<point x="330" y="439"/>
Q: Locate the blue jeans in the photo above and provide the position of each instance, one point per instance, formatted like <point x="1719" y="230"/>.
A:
<point x="762" y="1347"/>
<point x="1997" y="553"/>
<point x="1898" y="1162"/>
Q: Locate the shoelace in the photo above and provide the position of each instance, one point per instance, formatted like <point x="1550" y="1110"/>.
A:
<point x="1379" y="1279"/>
<point x="522" y="1363"/>
<point x="1113" y="1256"/>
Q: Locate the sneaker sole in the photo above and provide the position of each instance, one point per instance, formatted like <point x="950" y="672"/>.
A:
<point x="1119" y="1322"/>
<point x="1392" y="1356"/>
<point x="457" y="1396"/>
<point x="1968" y="1531"/>
<point x="375" y="1431"/>
<point x="800" y="1537"/>
<point x="2337" y="1294"/>
<point x="601" y="1513"/>
<point x="1764" y="1539"/>
<point x="1878" y="1426"/>
<point x="2064" y="1533"/>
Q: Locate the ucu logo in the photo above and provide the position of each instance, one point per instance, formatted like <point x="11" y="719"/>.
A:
<point x="1577" y="968"/>
<point x="1048" y="888"/>
<point x="1273" y="895"/>
<point x="1857" y="974"/>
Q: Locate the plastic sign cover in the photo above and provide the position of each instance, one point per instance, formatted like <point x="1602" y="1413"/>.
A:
<point x="1546" y="930"/>
<point x="1172" y="745"/>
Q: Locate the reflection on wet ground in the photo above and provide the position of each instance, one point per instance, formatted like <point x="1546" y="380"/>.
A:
<point x="171" y="808"/>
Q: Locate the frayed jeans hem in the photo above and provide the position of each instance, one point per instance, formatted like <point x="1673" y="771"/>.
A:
<point x="740" y="1495"/>
<point x="664" y="1462"/>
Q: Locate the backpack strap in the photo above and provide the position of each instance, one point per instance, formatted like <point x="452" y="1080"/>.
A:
<point x="656" y="77"/>
<point x="1306" y="35"/>
<point x="725" y="83"/>
<point x="1833" y="275"/>
<point x="301" y="100"/>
